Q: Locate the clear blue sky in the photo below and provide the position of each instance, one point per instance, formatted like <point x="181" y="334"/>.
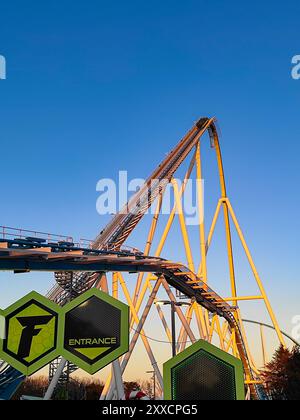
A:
<point x="95" y="87"/>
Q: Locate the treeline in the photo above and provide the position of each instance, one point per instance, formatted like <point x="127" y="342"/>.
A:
<point x="76" y="389"/>
<point x="281" y="377"/>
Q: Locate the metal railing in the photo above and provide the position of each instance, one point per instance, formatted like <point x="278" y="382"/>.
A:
<point x="7" y="232"/>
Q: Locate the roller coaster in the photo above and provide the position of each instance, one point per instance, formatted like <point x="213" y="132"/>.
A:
<point x="79" y="267"/>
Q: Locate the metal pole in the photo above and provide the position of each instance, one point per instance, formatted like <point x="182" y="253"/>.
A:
<point x="118" y="380"/>
<point x="135" y="339"/>
<point x="179" y="312"/>
<point x="55" y="380"/>
<point x="173" y="310"/>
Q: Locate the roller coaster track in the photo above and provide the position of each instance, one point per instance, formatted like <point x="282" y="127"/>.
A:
<point x="106" y="252"/>
<point x="123" y="223"/>
<point x="26" y="255"/>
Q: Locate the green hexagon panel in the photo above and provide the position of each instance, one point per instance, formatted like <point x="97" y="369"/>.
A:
<point x="96" y="331"/>
<point x="203" y="372"/>
<point x="2" y="328"/>
<point x="31" y="330"/>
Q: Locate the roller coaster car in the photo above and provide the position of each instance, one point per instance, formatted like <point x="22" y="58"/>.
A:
<point x="66" y="244"/>
<point x="35" y="240"/>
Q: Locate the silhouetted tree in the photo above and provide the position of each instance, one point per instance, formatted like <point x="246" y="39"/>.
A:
<point x="293" y="374"/>
<point x="34" y="386"/>
<point x="282" y="375"/>
<point x="131" y="386"/>
<point x="77" y="389"/>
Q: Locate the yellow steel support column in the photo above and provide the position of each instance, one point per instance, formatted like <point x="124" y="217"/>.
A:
<point x="226" y="216"/>
<point x="203" y="245"/>
<point x="184" y="232"/>
<point x="212" y="328"/>
<point x="201" y="321"/>
<point x="200" y="195"/>
<point x="148" y="246"/>
<point x="115" y="289"/>
<point x="219" y="332"/>
<point x="211" y="231"/>
<point x="230" y="253"/>
<point x="230" y="344"/>
<point x="255" y="272"/>
<point x="134" y="313"/>
<point x="165" y="233"/>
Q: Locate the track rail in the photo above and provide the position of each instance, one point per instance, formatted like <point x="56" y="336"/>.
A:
<point x="118" y="230"/>
<point x="21" y="256"/>
<point x="106" y="253"/>
<point x="40" y="258"/>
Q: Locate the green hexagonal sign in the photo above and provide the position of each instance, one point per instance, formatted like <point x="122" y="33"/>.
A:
<point x="2" y="327"/>
<point x="204" y="372"/>
<point x="31" y="331"/>
<point x="96" y="330"/>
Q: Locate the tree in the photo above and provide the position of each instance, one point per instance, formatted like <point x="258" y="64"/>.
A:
<point x="293" y="374"/>
<point x="282" y="375"/>
<point x="131" y="386"/>
<point x="78" y="389"/>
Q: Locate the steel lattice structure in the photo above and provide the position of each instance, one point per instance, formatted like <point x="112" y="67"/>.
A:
<point x="216" y="318"/>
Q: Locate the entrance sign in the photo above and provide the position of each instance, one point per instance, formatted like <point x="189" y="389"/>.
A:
<point x="31" y="331"/>
<point x="91" y="331"/>
<point x="204" y="372"/>
<point x="95" y="330"/>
